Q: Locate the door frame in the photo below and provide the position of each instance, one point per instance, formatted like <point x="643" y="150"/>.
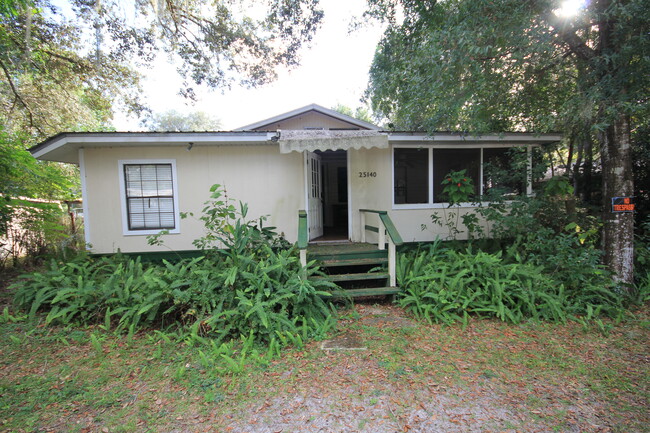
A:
<point x="307" y="191"/>
<point x="349" y="186"/>
<point x="307" y="184"/>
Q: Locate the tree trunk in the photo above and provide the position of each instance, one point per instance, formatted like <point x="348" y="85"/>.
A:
<point x="577" y="168"/>
<point x="618" y="233"/>
<point x="588" y="165"/>
<point x="569" y="159"/>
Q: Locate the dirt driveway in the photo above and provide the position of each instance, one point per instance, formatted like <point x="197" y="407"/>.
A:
<point x="401" y="378"/>
<point x="392" y="374"/>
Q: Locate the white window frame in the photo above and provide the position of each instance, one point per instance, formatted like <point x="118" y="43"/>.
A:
<point x="430" y="148"/>
<point x="125" y="216"/>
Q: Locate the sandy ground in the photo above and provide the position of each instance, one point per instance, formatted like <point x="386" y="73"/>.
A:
<point x="353" y="392"/>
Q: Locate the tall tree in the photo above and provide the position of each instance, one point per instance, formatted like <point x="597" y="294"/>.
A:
<point x="522" y="65"/>
<point x="172" y="120"/>
<point x="64" y="64"/>
<point x="361" y="113"/>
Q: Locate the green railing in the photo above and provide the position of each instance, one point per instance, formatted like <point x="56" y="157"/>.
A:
<point x="303" y="236"/>
<point x="394" y="239"/>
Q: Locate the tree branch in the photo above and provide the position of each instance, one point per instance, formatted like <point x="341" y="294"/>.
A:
<point x="568" y="35"/>
<point x="18" y="97"/>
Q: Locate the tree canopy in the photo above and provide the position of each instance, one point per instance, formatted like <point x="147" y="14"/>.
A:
<point x="64" y="64"/>
<point x="509" y="64"/>
<point x="173" y="120"/>
<point x="361" y="113"/>
<point x="522" y="65"/>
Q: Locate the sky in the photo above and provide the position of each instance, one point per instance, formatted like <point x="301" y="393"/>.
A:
<point x="333" y="70"/>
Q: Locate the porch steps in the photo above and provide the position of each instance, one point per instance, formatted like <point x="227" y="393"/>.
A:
<point x="352" y="261"/>
<point x="371" y="291"/>
<point x="359" y="269"/>
<point x="355" y="276"/>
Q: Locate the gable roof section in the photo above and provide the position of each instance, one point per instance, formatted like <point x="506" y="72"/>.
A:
<point x="355" y="123"/>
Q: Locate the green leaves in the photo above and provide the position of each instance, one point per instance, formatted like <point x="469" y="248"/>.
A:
<point x="446" y="286"/>
<point x="459" y="188"/>
<point x="252" y="287"/>
<point x="505" y="64"/>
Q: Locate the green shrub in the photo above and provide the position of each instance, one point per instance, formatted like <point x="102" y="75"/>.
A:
<point x="446" y="286"/>
<point x="243" y="285"/>
<point x="551" y="232"/>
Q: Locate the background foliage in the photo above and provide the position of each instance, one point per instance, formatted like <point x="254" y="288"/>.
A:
<point x="508" y="65"/>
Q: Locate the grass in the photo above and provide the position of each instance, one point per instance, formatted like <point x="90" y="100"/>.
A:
<point x="533" y="376"/>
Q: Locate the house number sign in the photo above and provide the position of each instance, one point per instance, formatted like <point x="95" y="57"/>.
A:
<point x="367" y="174"/>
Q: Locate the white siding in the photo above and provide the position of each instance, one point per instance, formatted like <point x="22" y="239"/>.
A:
<point x="269" y="182"/>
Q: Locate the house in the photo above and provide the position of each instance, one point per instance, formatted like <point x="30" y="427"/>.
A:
<point x="312" y="158"/>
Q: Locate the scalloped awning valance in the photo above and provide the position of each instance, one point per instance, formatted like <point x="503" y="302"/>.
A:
<point x="311" y="140"/>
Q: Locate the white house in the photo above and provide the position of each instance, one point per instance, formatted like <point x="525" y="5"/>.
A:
<point x="314" y="159"/>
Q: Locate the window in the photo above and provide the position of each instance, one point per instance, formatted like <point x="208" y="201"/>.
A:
<point x="148" y="196"/>
<point x="448" y="160"/>
<point x="503" y="171"/>
<point x="418" y="172"/>
<point x="411" y="168"/>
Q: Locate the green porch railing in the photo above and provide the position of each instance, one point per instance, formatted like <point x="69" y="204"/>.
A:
<point x="394" y="239"/>
<point x="303" y="236"/>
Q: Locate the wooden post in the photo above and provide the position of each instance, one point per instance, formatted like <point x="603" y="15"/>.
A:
<point x="382" y="235"/>
<point x="303" y="257"/>
<point x="529" y="171"/>
<point x="363" y="226"/>
<point x="392" y="263"/>
<point x="303" y="237"/>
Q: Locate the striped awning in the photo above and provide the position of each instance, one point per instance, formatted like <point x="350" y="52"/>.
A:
<point x="311" y="140"/>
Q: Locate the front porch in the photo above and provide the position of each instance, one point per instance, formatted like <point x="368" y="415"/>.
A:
<point x="358" y="268"/>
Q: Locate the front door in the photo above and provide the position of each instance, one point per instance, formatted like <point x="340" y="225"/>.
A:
<point x="314" y="195"/>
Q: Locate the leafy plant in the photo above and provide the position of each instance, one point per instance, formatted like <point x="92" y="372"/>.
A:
<point x="446" y="286"/>
<point x="244" y="284"/>
<point x="458" y="188"/>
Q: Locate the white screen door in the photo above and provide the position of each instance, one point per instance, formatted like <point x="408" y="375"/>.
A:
<point x="314" y="195"/>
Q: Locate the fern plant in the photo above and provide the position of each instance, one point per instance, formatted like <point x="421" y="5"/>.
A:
<point x="452" y="286"/>
<point x="247" y="282"/>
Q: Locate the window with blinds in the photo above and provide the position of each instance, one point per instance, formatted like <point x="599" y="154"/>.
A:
<point x="149" y="192"/>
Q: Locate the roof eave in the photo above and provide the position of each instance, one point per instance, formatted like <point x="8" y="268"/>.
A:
<point x="64" y="147"/>
<point x="464" y="138"/>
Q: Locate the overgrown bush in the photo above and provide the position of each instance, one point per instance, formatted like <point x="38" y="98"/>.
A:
<point x="242" y="285"/>
<point x="35" y="230"/>
<point x="550" y="231"/>
<point x="642" y="262"/>
<point x="445" y="286"/>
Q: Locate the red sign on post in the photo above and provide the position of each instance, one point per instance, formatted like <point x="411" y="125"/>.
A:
<point x="623" y="204"/>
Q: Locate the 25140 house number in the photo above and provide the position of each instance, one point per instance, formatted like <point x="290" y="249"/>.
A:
<point x="367" y="174"/>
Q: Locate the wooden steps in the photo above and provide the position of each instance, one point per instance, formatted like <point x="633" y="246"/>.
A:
<point x="333" y="263"/>
<point x="370" y="291"/>
<point x="356" y="276"/>
<point x="354" y="267"/>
